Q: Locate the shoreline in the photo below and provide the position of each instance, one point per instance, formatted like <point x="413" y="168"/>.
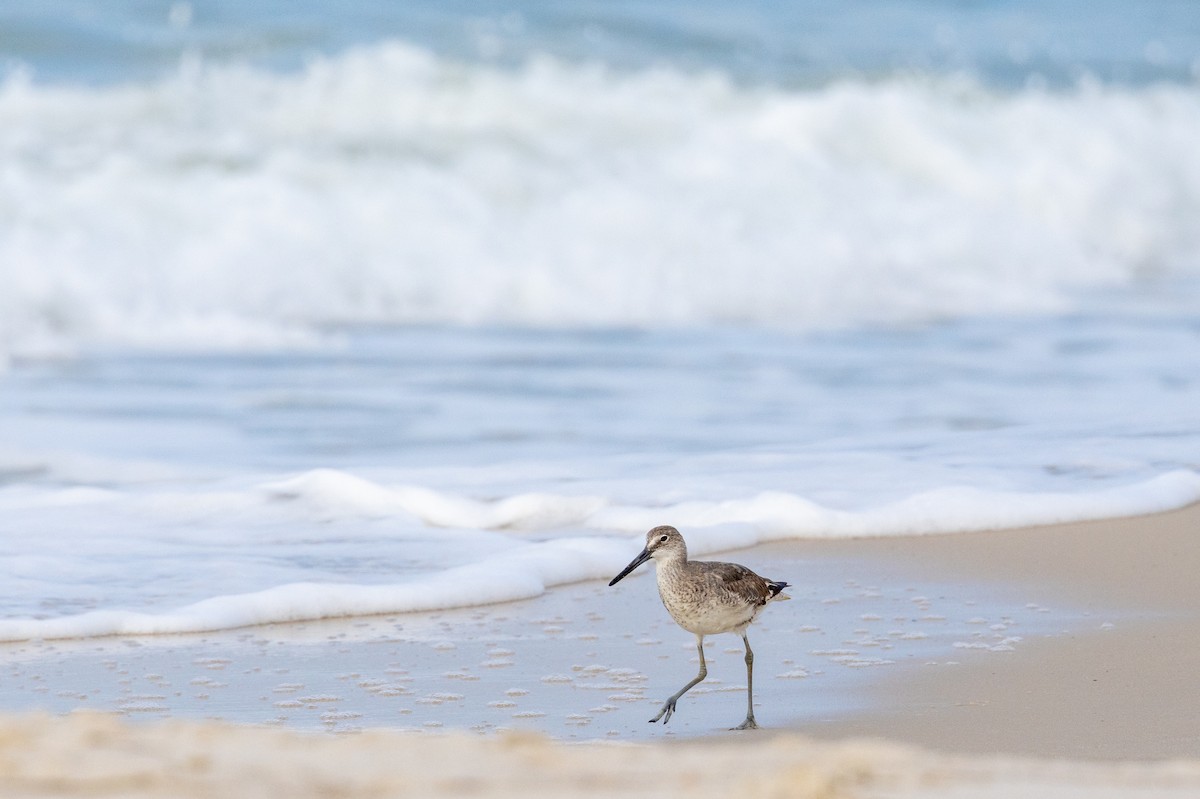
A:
<point x="1124" y="687"/>
<point x="580" y="662"/>
<point x="1045" y="657"/>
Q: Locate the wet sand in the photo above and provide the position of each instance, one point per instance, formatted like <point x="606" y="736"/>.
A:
<point x="581" y="662"/>
<point x="1123" y="685"/>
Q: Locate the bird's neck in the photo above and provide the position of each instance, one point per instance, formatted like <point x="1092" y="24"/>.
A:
<point x="672" y="562"/>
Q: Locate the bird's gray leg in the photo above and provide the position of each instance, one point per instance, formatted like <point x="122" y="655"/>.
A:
<point x="669" y="706"/>
<point x="749" y="723"/>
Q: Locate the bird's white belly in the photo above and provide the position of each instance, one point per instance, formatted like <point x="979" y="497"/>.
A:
<point x="708" y="618"/>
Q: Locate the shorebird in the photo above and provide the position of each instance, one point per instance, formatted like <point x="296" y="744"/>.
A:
<point x="705" y="598"/>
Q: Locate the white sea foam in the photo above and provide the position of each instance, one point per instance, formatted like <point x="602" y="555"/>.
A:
<point x="776" y="515"/>
<point x="523" y="569"/>
<point x="337" y="493"/>
<point x="770" y="515"/>
<point x="230" y="207"/>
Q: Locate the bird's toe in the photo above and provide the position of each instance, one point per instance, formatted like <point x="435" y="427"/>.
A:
<point x="664" y="712"/>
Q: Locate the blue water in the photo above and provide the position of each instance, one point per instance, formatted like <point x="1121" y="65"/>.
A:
<point x="313" y="310"/>
<point x="786" y="43"/>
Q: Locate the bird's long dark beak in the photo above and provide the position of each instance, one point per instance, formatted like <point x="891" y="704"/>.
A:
<point x="633" y="564"/>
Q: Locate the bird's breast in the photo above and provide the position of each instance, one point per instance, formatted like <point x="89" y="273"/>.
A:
<point x="703" y="612"/>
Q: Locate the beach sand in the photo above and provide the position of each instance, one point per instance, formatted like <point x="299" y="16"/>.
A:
<point x="1125" y="686"/>
<point x="1058" y="661"/>
<point x="98" y="756"/>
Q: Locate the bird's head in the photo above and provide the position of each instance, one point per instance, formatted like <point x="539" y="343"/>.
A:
<point x="662" y="543"/>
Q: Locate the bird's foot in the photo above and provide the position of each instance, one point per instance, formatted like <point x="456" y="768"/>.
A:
<point x="748" y="724"/>
<point x="665" y="712"/>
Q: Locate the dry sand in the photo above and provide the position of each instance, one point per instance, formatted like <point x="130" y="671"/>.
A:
<point x="98" y="756"/>
<point x="1059" y="714"/>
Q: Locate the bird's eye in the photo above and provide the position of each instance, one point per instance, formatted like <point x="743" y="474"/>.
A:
<point x="662" y="540"/>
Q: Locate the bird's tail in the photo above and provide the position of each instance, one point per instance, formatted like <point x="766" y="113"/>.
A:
<point x="775" y="587"/>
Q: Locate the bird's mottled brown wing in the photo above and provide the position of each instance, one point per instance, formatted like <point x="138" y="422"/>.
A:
<point x="739" y="580"/>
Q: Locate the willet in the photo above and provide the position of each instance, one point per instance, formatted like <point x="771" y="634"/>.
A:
<point x="706" y="598"/>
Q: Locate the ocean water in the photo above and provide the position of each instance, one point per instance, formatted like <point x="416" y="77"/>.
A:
<point x="312" y="311"/>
